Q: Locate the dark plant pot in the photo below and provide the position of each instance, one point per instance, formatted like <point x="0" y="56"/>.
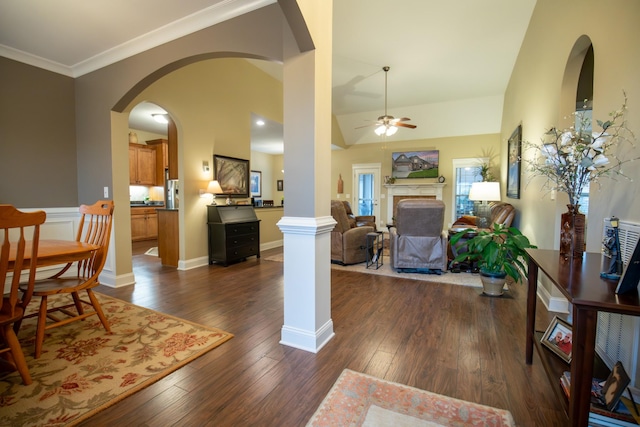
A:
<point x="493" y="283"/>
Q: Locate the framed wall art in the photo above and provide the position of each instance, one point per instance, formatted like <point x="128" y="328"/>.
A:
<point x="415" y="164"/>
<point x="232" y="174"/>
<point x="559" y="338"/>
<point x="280" y="185"/>
<point x="513" y="176"/>
<point x="255" y="184"/>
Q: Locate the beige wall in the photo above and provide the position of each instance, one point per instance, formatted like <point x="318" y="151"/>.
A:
<point x="533" y="98"/>
<point x="449" y="148"/>
<point x="271" y="166"/>
<point x="211" y="103"/>
<point x="270" y="234"/>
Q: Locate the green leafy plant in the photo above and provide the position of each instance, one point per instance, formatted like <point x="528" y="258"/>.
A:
<point x="499" y="252"/>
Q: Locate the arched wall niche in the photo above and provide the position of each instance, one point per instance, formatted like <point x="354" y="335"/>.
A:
<point x="568" y="96"/>
<point x="571" y="80"/>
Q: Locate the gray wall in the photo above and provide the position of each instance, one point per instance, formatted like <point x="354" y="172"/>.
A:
<point x="37" y="137"/>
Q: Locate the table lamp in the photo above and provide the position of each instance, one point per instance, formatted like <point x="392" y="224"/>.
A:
<point x="214" y="188"/>
<point x="484" y="192"/>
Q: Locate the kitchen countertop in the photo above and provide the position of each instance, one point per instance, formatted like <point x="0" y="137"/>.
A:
<point x="146" y="205"/>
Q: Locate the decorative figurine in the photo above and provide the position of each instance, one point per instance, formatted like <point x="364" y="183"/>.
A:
<point x="611" y="244"/>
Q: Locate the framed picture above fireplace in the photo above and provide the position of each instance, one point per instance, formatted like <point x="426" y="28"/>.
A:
<point x="415" y="164"/>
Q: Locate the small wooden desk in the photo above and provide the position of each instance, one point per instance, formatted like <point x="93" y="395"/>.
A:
<point x="53" y="252"/>
<point x="579" y="281"/>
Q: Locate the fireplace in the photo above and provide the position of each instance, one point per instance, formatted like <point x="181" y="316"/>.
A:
<point x="397" y="192"/>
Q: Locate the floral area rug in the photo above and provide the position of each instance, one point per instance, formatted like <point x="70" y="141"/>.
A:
<point x="83" y="369"/>
<point x="361" y="400"/>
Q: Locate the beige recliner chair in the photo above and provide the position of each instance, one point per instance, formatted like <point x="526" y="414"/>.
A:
<point x="417" y="242"/>
<point x="347" y="243"/>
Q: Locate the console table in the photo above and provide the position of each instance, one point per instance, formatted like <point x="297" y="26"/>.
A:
<point x="580" y="283"/>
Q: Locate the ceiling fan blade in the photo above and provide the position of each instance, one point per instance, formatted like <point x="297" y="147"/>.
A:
<point x="366" y="126"/>
<point x="402" y="119"/>
<point x="405" y="125"/>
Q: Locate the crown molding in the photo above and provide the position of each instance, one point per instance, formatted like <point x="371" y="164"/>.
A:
<point x="202" y="19"/>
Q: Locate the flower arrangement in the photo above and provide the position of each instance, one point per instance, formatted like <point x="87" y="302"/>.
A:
<point x="573" y="157"/>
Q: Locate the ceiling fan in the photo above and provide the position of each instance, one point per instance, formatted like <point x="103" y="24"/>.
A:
<point x="388" y="125"/>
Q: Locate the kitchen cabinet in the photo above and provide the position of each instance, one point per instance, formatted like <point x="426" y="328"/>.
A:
<point x="168" y="246"/>
<point x="167" y="152"/>
<point x="172" y="149"/>
<point x="234" y="233"/>
<point x="162" y="158"/>
<point x="142" y="165"/>
<point x="144" y="224"/>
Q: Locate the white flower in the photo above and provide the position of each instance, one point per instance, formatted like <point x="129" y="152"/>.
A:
<point x="571" y="158"/>
<point x="548" y="150"/>
<point x="600" y="160"/>
<point x="566" y="138"/>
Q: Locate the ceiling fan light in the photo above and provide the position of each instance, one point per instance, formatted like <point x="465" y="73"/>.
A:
<point x="381" y="130"/>
<point x="391" y="130"/>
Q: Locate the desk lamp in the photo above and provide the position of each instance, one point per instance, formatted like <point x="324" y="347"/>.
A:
<point x="214" y="188"/>
<point x="484" y="192"/>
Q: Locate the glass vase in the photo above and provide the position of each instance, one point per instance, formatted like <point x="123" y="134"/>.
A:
<point x="572" y="226"/>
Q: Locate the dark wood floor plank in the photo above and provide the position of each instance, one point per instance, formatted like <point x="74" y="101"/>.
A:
<point x="442" y="338"/>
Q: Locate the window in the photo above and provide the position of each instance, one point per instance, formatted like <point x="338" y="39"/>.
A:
<point x="465" y="172"/>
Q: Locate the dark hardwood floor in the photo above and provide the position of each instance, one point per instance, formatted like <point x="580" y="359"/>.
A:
<point x="442" y="338"/>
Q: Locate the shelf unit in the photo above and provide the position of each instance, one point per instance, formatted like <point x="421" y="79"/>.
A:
<point x="578" y="279"/>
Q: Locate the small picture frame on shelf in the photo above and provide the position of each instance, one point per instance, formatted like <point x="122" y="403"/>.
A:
<point x="559" y="338"/>
<point x="615" y="385"/>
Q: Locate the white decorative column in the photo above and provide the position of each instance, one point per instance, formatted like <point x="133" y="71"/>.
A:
<point x="307" y="278"/>
<point x="307" y="221"/>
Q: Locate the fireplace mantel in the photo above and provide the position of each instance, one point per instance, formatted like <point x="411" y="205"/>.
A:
<point x="426" y="189"/>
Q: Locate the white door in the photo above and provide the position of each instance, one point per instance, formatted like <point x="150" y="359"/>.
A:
<point x="366" y="190"/>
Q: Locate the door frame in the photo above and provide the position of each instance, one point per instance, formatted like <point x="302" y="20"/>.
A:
<point x="375" y="169"/>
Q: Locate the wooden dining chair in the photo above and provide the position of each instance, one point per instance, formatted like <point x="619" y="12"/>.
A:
<point x="17" y="225"/>
<point x="94" y="228"/>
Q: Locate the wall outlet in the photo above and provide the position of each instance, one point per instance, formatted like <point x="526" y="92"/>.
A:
<point x="106" y="192"/>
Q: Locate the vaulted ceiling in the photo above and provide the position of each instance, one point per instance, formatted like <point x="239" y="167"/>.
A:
<point x="446" y="57"/>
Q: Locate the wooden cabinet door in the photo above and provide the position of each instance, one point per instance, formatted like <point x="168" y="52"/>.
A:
<point x="152" y="226"/>
<point x="144" y="224"/>
<point x="146" y="165"/>
<point x="133" y="165"/>
<point x="138" y="227"/>
<point x="142" y="165"/>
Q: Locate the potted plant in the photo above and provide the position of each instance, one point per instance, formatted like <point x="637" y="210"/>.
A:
<point x="500" y="252"/>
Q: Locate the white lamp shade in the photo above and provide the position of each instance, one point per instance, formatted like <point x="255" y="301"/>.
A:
<point x="214" y="187"/>
<point x="485" y="191"/>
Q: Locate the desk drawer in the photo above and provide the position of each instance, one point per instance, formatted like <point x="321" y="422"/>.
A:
<point x="241" y="239"/>
<point x="239" y="252"/>
<point x="241" y="229"/>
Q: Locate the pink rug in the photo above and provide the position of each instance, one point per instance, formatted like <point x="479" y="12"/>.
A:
<point x="361" y="400"/>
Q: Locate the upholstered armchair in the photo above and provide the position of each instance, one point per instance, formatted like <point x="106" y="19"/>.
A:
<point x="417" y="242"/>
<point x="347" y="243"/>
<point x="361" y="220"/>
<point x="501" y="213"/>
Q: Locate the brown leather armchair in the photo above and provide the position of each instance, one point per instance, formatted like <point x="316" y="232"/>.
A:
<point x="347" y="243"/>
<point x="501" y="213"/>
<point x="418" y="242"/>
<point x="361" y="220"/>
